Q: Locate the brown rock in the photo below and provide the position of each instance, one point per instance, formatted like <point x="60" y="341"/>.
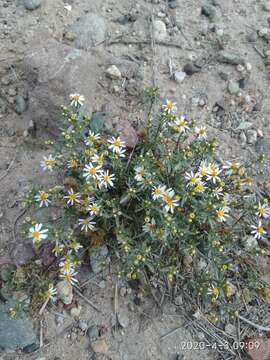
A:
<point x="127" y="133"/>
<point x="46" y="253"/>
<point x="54" y="71"/>
<point x="258" y="349"/>
<point x="263" y="265"/>
<point x="100" y="346"/>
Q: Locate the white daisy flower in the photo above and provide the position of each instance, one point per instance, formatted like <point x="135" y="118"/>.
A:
<point x="213" y="291"/>
<point x="76" y="246"/>
<point x="51" y="293"/>
<point x="193" y="179"/>
<point x="76" y="100"/>
<point x="87" y="224"/>
<point x="169" y="202"/>
<point x="180" y="125"/>
<point x="121" y="152"/>
<point x="72" y="197"/>
<point x="94" y="209"/>
<point x="66" y="265"/>
<point x="98" y="159"/>
<point x="213" y="173"/>
<point x="222" y="214"/>
<point x="58" y="249"/>
<point x="149" y="227"/>
<point x="106" y="179"/>
<point x="48" y="163"/>
<point x="139" y="173"/>
<point x="91" y="138"/>
<point x="43" y="198"/>
<point x="116" y="145"/>
<point x="263" y="211"/>
<point x="37" y="233"/>
<point x="70" y="277"/>
<point x="258" y="230"/>
<point x="201" y="132"/>
<point x="92" y="171"/>
<point x="169" y="107"/>
<point x="158" y="191"/>
<point x="218" y="192"/>
<point x="203" y="169"/>
<point x="231" y="167"/>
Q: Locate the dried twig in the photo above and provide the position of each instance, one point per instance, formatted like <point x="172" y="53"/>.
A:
<point x="85" y="299"/>
<point x="15" y="222"/>
<point x="41" y="334"/>
<point x="9" y="167"/>
<point x="170" y="333"/>
<point x="43" y="307"/>
<point x="259" y="327"/>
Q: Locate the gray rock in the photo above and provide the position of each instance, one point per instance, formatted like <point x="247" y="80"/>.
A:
<point x="266" y="6"/>
<point x="179" y="76"/>
<point x="250" y="243"/>
<point x="191" y="69"/>
<point x="64" y="292"/>
<point x="20" y="104"/>
<point x="252" y="136"/>
<point x="243" y="138"/>
<point x="32" y="4"/>
<point x="3" y="107"/>
<point x="229" y="57"/>
<point x="252" y="37"/>
<point x="83" y="325"/>
<point x="262" y="146"/>
<point x="15" y="333"/>
<point x="23" y="253"/>
<point x="54" y="71"/>
<point x="233" y="87"/>
<point x="113" y="72"/>
<point x="159" y="30"/>
<point x="99" y="258"/>
<point x="90" y="30"/>
<point x="173" y="4"/>
<point x="209" y="11"/>
<point x="93" y="332"/>
<point x="122" y="317"/>
<point x="244" y="125"/>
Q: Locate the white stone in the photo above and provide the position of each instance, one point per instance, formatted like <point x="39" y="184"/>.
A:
<point x="159" y="29"/>
<point x="113" y="72"/>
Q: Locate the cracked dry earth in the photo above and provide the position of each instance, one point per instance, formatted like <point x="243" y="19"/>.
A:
<point x="171" y="44"/>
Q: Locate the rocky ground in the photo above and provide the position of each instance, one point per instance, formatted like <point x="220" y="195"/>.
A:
<point x="211" y="56"/>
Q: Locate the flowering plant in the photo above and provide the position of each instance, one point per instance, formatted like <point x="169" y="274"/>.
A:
<point x="167" y="207"/>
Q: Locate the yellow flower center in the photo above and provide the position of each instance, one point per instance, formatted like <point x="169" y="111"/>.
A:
<point x="73" y="163"/>
<point x="36" y="234"/>
<point x="43" y="196"/>
<point x="72" y="197"/>
<point x="261" y="210"/>
<point x="215" y="292"/>
<point x="234" y="166"/>
<point x="199" y="188"/>
<point x="117" y="142"/>
<point x="214" y="172"/>
<point x="260" y="230"/>
<point x="169" y="105"/>
<point x="93" y="171"/>
<point x="106" y="178"/>
<point x="50" y="162"/>
<point x="220" y="213"/>
<point x="168" y="200"/>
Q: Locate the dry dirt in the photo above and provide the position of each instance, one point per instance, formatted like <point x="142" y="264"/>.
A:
<point x="196" y="96"/>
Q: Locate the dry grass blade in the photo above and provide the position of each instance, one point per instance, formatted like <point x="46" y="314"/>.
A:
<point x="86" y="300"/>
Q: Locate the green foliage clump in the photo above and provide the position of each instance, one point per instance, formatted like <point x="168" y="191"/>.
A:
<point x="167" y="207"/>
